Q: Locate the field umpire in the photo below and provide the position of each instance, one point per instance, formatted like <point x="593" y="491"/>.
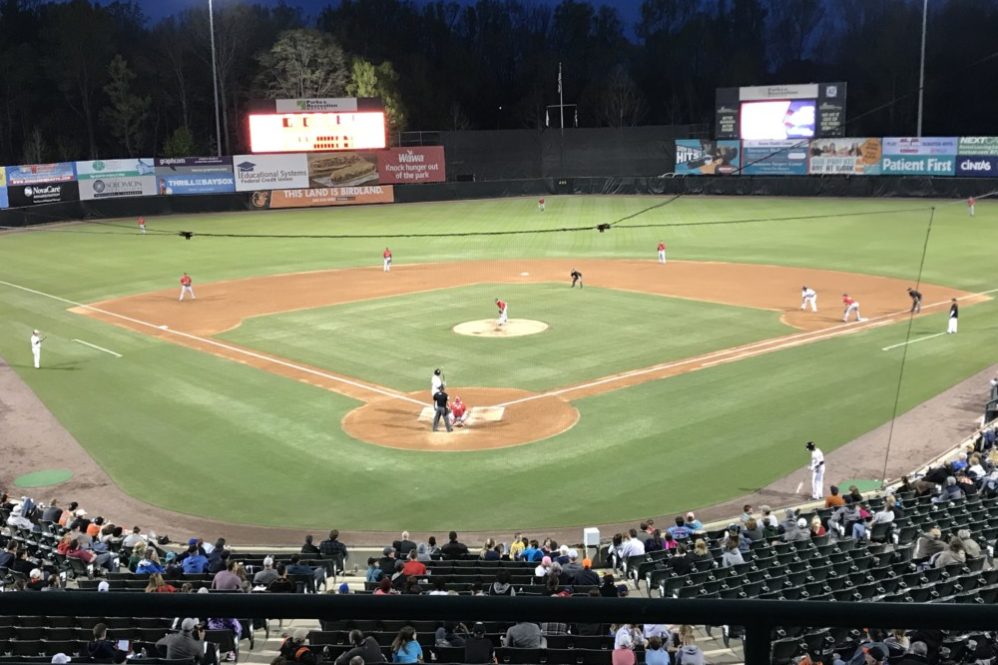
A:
<point x="576" y="277"/>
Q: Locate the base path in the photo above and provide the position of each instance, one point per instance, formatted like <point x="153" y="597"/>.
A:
<point x="390" y="417"/>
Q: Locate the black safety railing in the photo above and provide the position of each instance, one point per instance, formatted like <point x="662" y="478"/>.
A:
<point x="757" y="617"/>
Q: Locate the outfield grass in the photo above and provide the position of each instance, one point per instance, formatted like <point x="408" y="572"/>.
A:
<point x="593" y="332"/>
<point x="201" y="435"/>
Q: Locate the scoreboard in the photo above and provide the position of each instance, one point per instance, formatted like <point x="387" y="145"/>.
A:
<point x="324" y="131"/>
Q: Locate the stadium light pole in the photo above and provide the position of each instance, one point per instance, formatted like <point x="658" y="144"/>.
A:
<point x="214" y="78"/>
<point x="921" y="72"/>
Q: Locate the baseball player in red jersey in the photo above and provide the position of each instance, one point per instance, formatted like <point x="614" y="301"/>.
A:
<point x="851" y="306"/>
<point x="971" y="202"/>
<point x="185" y="287"/>
<point x="661" y="252"/>
<point x="387" y="255"/>
<point x="458" y="412"/>
<point x="503" y="312"/>
<point x="540" y="204"/>
<point x="142" y="224"/>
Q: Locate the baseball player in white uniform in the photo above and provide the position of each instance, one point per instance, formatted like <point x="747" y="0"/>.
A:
<point x="36" y="348"/>
<point x="436" y="382"/>
<point x="808" y="297"/>
<point x="817" y="467"/>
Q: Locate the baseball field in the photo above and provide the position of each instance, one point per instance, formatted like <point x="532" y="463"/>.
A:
<point x="293" y="391"/>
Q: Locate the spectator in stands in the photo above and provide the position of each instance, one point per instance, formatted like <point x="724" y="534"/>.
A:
<point x="746" y="513"/>
<point x="364" y="647"/>
<point x="632" y="546"/>
<point x="655" y="652"/>
<point x="21" y="563"/>
<point x="608" y="589"/>
<point x="281" y="584"/>
<point x="405" y="647"/>
<point x="623" y="646"/>
<point x="679" y="530"/>
<point x="573" y="567"/>
<point x="387" y="561"/>
<point x="101" y="648"/>
<point x="531" y="551"/>
<point x="297" y="567"/>
<point x="517" y="546"/>
<point x="36" y="580"/>
<point x="954" y="553"/>
<point x="137" y="554"/>
<point x="218" y="560"/>
<point x="54" y="584"/>
<point x="817" y="528"/>
<point x="769" y="520"/>
<point x="929" y="544"/>
<point x="854" y="495"/>
<point x="797" y="531"/>
<point x="94" y="528"/>
<point x="158" y="585"/>
<point x="413" y="566"/>
<point x="668" y="542"/>
<point x="8" y="556"/>
<point x="688" y="653"/>
<point x="541" y="570"/>
<point x="267" y="574"/>
<point x="587" y="576"/>
<point x="134" y="538"/>
<point x="426" y="551"/>
<point x="752" y="530"/>
<point x="230" y="624"/>
<point x="970" y="546"/>
<point x="18" y="520"/>
<point x="404" y="545"/>
<point x="843" y="518"/>
<point x="385" y="587"/>
<point x="450" y="634"/>
<point x="950" y="491"/>
<point x="744" y="542"/>
<point x="227" y="580"/>
<point x="53" y="512"/>
<point x="732" y="556"/>
<point x="439" y="587"/>
<point x="186" y="644"/>
<point x="502" y="586"/>
<point x="149" y="563"/>
<point x="332" y="548"/>
<point x="295" y="648"/>
<point x="917" y="655"/>
<point x="195" y="563"/>
<point x="308" y="548"/>
<point x="114" y="538"/>
<point x="885" y="515"/>
<point x="834" y="499"/>
<point x="454" y="549"/>
<point x="496" y="553"/>
<point x="374" y="572"/>
<point x="478" y="648"/>
<point x="524" y="635"/>
<point x="896" y="643"/>
<point x="69" y="513"/>
<point x="692" y="523"/>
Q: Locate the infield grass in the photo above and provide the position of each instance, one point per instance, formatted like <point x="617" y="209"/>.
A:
<point x="593" y="332"/>
<point x="201" y="435"/>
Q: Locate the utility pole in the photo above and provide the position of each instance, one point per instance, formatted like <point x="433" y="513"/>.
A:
<point x="214" y="78"/>
<point x="921" y="73"/>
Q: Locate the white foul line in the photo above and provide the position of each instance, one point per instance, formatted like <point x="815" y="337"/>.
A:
<point x="99" y="348"/>
<point x="913" y="341"/>
<point x="227" y="347"/>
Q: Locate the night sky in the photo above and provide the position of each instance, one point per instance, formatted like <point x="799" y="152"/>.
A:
<point x="155" y="9"/>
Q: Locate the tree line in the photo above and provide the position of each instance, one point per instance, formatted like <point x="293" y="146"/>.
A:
<point x="80" y="80"/>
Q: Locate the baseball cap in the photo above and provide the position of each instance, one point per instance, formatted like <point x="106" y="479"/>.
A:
<point x="344" y="588"/>
<point x="300" y="634"/>
<point x="268" y="561"/>
<point x="36" y="574"/>
<point x="103" y="587"/>
<point x="802" y="523"/>
<point x="81" y="513"/>
<point x="387" y="550"/>
<point x="61" y="659"/>
<point x="192" y="541"/>
<point x="188" y="625"/>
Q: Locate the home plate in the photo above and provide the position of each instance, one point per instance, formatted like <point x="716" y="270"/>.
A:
<point x="524" y="274"/>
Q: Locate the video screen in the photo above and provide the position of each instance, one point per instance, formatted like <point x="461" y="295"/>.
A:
<point x="778" y="120"/>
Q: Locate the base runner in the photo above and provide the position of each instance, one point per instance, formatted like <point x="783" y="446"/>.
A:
<point x="851" y="305"/>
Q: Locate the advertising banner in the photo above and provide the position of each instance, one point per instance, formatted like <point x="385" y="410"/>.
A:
<point x="256" y="172"/>
<point x="167" y="165"/>
<point x="323" y="196"/>
<point x="186" y="184"/>
<point x="704" y="157"/>
<point x="31" y="174"/>
<point x="37" y="194"/>
<point x="114" y="168"/>
<point x="117" y="187"/>
<point x="926" y="145"/>
<point x="342" y="169"/>
<point x="726" y="113"/>
<point x="979" y="166"/>
<point x="3" y="188"/>
<point x="774" y="157"/>
<point x="978" y="145"/>
<point x="831" y="114"/>
<point x="918" y="165"/>
<point x="412" y="165"/>
<point x="845" y="157"/>
<point x="336" y="104"/>
<point x="758" y="92"/>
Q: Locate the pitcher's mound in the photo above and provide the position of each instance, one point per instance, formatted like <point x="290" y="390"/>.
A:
<point x="488" y="328"/>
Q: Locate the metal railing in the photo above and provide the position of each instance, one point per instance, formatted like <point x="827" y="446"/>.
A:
<point x="758" y="617"/>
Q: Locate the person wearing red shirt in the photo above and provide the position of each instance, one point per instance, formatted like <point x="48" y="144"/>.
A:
<point x="661" y="252"/>
<point x="142" y="224"/>
<point x="540" y="204"/>
<point x="503" y="312"/>
<point x="185" y="287"/>
<point x="413" y="566"/>
<point x="851" y="306"/>
<point x="458" y="412"/>
<point x="387" y="256"/>
<point x="971" y="202"/>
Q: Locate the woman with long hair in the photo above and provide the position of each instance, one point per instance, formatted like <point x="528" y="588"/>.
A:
<point x="405" y="647"/>
<point x="158" y="585"/>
